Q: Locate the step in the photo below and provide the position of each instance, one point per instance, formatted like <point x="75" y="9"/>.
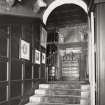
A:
<point x="59" y="86"/>
<point x="67" y="76"/>
<point x="56" y="99"/>
<point x="69" y="82"/>
<point x="57" y="92"/>
<point x="83" y="87"/>
<point x="50" y="104"/>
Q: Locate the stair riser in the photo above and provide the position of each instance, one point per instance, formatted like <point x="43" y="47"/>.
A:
<point x="53" y="104"/>
<point x="85" y="94"/>
<point x="85" y="87"/>
<point x="59" y="86"/>
<point x="84" y="102"/>
<point x="61" y="92"/>
<point x="66" y="100"/>
<point x="58" y="92"/>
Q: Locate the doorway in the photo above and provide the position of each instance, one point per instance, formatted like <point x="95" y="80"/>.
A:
<point x="69" y="14"/>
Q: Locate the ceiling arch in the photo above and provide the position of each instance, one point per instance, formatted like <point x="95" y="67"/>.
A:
<point x="58" y="3"/>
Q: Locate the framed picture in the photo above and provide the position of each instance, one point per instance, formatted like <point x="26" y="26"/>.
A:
<point x="43" y="37"/>
<point x="43" y="58"/>
<point x="37" y="57"/>
<point x="24" y="50"/>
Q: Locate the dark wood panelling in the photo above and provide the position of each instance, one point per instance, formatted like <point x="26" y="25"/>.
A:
<point x="43" y="66"/>
<point x="28" y="71"/>
<point x="3" y="45"/>
<point x="15" y="89"/>
<point x="5" y="103"/>
<point x="36" y="36"/>
<point x="27" y="87"/>
<point x="15" y="101"/>
<point x="20" y="74"/>
<point x="3" y="93"/>
<point x="16" y="70"/>
<point x="36" y="71"/>
<point x="3" y="71"/>
<point x="27" y="32"/>
<point x="15" y="47"/>
<point x="4" y="28"/>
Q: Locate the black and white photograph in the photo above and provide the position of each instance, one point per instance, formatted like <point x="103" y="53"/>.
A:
<point x="43" y="58"/>
<point x="24" y="50"/>
<point x="37" y="57"/>
<point x="52" y="52"/>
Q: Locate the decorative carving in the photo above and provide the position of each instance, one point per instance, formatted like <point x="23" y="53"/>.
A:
<point x="38" y="4"/>
<point x="10" y="2"/>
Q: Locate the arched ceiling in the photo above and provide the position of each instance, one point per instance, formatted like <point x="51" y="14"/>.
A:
<point x="64" y="15"/>
<point x="67" y="14"/>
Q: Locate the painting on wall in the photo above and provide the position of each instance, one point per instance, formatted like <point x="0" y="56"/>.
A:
<point x="37" y="57"/>
<point x="24" y="50"/>
<point x="43" y="58"/>
<point x="43" y="37"/>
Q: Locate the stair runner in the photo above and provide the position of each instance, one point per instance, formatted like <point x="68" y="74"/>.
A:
<point x="61" y="93"/>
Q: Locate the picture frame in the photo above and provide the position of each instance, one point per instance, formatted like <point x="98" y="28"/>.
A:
<point x="43" y="37"/>
<point x="24" y="50"/>
<point x="43" y="58"/>
<point x="37" y="57"/>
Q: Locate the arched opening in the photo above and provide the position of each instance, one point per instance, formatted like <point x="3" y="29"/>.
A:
<point x="67" y="24"/>
<point x="70" y="38"/>
<point x="70" y="42"/>
<point x="58" y="3"/>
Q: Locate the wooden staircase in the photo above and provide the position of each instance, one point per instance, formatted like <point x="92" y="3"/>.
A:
<point x="61" y="93"/>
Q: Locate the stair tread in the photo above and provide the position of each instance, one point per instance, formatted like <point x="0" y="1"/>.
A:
<point x="61" y="93"/>
<point x="60" y="96"/>
<point x="62" y="89"/>
<point x="49" y="104"/>
<point x="66" y="82"/>
<point x="56" y="86"/>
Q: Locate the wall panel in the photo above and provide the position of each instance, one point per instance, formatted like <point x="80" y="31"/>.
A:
<point x="3" y="71"/>
<point x="15" y="89"/>
<point x="28" y="71"/>
<point x="15" y="101"/>
<point x="17" y="75"/>
<point x="16" y="70"/>
<point x="100" y="53"/>
<point x="3" y="93"/>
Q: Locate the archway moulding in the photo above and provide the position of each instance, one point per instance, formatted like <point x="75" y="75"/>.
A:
<point x="58" y="3"/>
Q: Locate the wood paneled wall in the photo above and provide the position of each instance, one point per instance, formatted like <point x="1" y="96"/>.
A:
<point x="18" y="76"/>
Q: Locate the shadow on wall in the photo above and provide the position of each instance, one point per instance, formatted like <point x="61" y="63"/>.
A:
<point x="29" y="92"/>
